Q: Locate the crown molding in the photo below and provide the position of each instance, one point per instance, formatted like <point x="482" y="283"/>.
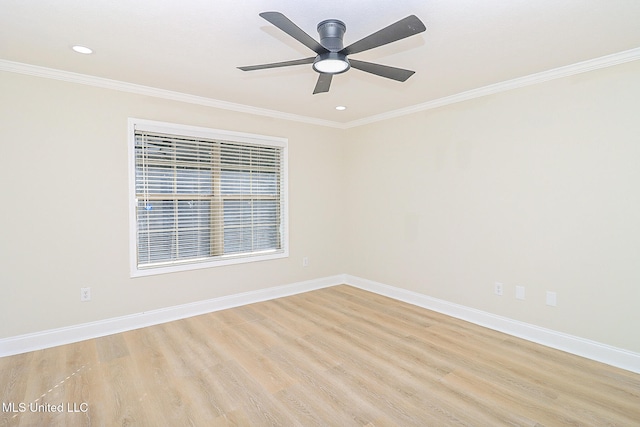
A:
<point x="532" y="79"/>
<point x="84" y="79"/>
<point x="556" y="73"/>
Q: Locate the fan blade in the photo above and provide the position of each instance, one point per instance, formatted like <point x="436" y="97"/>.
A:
<point x="278" y="64"/>
<point x="286" y="25"/>
<point x="394" y="73"/>
<point x="323" y="84"/>
<point x="402" y="29"/>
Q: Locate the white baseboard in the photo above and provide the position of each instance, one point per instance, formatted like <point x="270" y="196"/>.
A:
<point x="571" y="344"/>
<point x="54" y="337"/>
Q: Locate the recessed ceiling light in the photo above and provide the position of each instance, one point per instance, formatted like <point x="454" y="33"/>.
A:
<point x="341" y="108"/>
<point x="82" y="49"/>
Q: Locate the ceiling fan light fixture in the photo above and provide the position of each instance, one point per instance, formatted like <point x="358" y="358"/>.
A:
<point x="331" y="63"/>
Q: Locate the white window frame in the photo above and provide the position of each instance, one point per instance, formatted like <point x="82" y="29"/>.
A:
<point x="215" y="134"/>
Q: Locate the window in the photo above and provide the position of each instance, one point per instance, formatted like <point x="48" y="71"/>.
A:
<point x="203" y="197"/>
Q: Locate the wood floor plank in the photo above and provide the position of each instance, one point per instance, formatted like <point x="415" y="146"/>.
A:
<point x="162" y="391"/>
<point x="247" y="395"/>
<point x="187" y="347"/>
<point x="14" y="370"/>
<point x="321" y="396"/>
<point x="336" y="356"/>
<point x="123" y="399"/>
<point x="111" y="347"/>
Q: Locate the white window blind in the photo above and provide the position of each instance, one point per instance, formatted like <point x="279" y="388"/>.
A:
<point x="201" y="199"/>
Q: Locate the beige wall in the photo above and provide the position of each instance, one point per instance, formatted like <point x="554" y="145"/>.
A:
<point x="538" y="187"/>
<point x="64" y="213"/>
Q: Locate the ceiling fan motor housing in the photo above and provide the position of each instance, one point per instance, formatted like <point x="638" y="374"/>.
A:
<point x="333" y="62"/>
<point x="331" y="33"/>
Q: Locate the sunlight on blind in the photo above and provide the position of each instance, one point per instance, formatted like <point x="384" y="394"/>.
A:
<point x="199" y="199"/>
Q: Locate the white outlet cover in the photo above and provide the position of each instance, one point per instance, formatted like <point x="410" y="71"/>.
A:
<point x="498" y="288"/>
<point x="520" y="292"/>
<point x="552" y="298"/>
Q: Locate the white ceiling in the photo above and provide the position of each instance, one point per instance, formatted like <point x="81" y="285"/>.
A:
<point x="194" y="46"/>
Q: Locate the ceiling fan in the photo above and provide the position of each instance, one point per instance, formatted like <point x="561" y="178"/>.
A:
<point x="331" y="56"/>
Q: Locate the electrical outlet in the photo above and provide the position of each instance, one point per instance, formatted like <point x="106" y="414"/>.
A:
<point x="497" y="289"/>
<point x="519" y="292"/>
<point x="85" y="294"/>
<point x="305" y="261"/>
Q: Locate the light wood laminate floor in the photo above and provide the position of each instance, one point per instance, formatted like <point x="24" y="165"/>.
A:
<point x="333" y="357"/>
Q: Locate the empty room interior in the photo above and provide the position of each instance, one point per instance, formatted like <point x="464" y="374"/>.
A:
<point x="320" y="213"/>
